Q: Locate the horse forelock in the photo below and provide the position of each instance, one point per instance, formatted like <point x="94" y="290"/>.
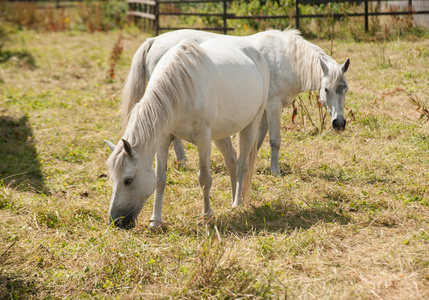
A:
<point x="165" y="96"/>
<point x="336" y="76"/>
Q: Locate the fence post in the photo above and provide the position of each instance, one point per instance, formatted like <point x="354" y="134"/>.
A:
<point x="366" y="16"/>
<point x="297" y="14"/>
<point x="152" y="22"/>
<point x="224" y="17"/>
<point x="156" y="21"/>
<point x="142" y="22"/>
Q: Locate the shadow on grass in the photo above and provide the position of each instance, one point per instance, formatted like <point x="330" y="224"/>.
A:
<point x="22" y="55"/>
<point x="278" y="216"/>
<point x="19" y="164"/>
<point x="285" y="169"/>
<point x="16" y="288"/>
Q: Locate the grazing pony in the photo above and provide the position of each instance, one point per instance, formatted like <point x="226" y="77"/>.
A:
<point x="295" y="66"/>
<point x="198" y="93"/>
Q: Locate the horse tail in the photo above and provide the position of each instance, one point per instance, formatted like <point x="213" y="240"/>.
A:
<point x="247" y="182"/>
<point x="135" y="84"/>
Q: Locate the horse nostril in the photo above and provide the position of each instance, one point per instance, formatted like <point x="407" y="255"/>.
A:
<point x="339" y="124"/>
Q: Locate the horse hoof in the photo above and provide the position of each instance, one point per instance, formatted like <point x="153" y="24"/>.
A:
<point x="208" y="218"/>
<point x="182" y="164"/>
<point x="276" y="174"/>
<point x="236" y="204"/>
<point x="208" y="215"/>
<point x="155" y="225"/>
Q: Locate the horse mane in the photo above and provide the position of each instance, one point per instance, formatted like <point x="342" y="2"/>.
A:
<point x="171" y="84"/>
<point x="304" y="57"/>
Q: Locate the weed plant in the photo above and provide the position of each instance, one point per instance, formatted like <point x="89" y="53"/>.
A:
<point x="89" y="15"/>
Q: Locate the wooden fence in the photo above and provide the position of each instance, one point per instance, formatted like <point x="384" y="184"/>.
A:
<point x="151" y="11"/>
<point x="50" y="3"/>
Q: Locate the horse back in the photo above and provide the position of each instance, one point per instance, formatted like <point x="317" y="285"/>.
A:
<point x="166" y="41"/>
<point x="240" y="68"/>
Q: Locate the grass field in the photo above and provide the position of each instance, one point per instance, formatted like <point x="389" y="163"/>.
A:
<point x="348" y="219"/>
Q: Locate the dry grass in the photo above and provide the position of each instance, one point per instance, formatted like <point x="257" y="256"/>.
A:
<point x="347" y="220"/>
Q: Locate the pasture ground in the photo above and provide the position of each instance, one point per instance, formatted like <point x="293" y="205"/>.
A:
<point x="348" y="219"/>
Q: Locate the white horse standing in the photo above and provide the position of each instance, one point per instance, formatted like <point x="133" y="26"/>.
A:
<point x="295" y="65"/>
<point x="196" y="93"/>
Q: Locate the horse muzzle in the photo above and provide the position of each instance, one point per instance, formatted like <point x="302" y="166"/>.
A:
<point x="124" y="222"/>
<point x="339" y="124"/>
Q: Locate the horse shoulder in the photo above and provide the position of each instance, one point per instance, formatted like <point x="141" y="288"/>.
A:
<point x="274" y="47"/>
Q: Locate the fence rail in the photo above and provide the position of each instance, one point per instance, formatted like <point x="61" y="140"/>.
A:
<point x="152" y="10"/>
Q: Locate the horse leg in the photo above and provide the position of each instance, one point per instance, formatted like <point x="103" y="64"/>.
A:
<point x="247" y="144"/>
<point x="180" y="152"/>
<point x="161" y="180"/>
<point x="230" y="157"/>
<point x="204" y="176"/>
<point x="274" y="115"/>
<point x="263" y="129"/>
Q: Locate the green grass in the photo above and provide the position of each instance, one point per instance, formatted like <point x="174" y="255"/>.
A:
<point x="348" y="219"/>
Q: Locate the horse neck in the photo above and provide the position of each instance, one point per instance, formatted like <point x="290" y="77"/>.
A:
<point x="164" y="100"/>
<point x="147" y="125"/>
<point x="305" y="60"/>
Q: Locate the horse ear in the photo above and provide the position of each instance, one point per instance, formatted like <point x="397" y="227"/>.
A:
<point x="110" y="145"/>
<point x="324" y="67"/>
<point x="127" y="147"/>
<point x="345" y="66"/>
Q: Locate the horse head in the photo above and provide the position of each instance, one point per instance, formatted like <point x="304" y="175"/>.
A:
<point x="134" y="181"/>
<point x="333" y="92"/>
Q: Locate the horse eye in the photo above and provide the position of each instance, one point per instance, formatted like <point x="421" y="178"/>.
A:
<point x="326" y="89"/>
<point x="128" y="181"/>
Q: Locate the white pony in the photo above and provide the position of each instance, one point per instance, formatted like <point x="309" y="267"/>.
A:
<point x="198" y="93"/>
<point x="295" y="65"/>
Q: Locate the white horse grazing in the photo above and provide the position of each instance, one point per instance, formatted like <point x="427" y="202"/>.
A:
<point x="198" y="93"/>
<point x="295" y="65"/>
